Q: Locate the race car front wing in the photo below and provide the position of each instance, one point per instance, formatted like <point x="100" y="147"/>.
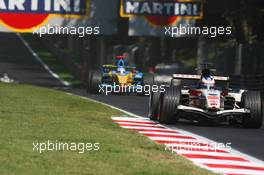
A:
<point x="210" y="113"/>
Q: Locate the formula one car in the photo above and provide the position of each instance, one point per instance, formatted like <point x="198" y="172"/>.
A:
<point x="205" y="101"/>
<point x="114" y="78"/>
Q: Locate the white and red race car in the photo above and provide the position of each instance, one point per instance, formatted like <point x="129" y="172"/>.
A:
<point x="204" y="101"/>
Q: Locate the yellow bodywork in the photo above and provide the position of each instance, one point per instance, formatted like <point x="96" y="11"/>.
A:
<point x="122" y="79"/>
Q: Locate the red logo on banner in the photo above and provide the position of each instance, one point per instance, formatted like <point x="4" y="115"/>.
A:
<point x="22" y="22"/>
<point x="161" y="20"/>
<point x="25" y="16"/>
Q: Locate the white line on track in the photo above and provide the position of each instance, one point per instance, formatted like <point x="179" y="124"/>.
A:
<point x="46" y="67"/>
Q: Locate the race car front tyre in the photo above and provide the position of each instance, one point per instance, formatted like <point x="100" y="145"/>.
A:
<point x="95" y="78"/>
<point x="154" y="105"/>
<point x="252" y="100"/>
<point x="168" y="105"/>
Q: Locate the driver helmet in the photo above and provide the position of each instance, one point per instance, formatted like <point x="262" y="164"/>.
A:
<point x="208" y="81"/>
<point x="121" y="70"/>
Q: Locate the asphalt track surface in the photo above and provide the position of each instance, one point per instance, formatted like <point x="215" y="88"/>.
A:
<point x="17" y="61"/>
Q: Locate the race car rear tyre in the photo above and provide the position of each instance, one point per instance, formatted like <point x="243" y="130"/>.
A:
<point x="94" y="80"/>
<point x="148" y="79"/>
<point x="153" y="109"/>
<point x="252" y="100"/>
<point x="88" y="87"/>
<point x="168" y="105"/>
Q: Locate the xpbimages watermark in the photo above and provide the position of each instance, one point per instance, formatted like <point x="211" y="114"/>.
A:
<point x="50" y="146"/>
<point x="193" y="146"/>
<point x="64" y="30"/>
<point x="192" y="30"/>
<point x="139" y="89"/>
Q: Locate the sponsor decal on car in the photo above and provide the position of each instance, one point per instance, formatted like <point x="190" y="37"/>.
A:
<point x="213" y="97"/>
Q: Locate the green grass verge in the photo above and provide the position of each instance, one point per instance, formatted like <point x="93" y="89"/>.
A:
<point x="31" y="114"/>
<point x="50" y="60"/>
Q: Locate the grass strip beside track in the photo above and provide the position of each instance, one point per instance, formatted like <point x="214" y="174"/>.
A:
<point x="32" y="114"/>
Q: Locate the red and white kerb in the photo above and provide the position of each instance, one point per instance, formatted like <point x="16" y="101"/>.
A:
<point x="217" y="160"/>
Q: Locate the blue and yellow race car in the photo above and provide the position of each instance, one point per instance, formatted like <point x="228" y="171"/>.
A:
<point x="117" y="78"/>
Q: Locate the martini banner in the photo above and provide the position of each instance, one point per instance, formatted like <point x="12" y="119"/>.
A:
<point x="27" y="15"/>
<point x="150" y="17"/>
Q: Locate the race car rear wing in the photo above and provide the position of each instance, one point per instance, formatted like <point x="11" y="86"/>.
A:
<point x="198" y="77"/>
<point x="115" y="67"/>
